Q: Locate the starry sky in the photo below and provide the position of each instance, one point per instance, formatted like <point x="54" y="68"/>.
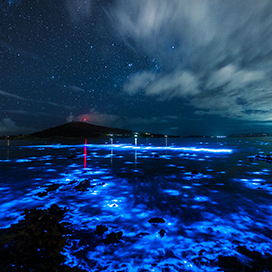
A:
<point x="175" y="67"/>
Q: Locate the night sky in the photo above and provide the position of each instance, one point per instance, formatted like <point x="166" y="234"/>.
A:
<point x="168" y="66"/>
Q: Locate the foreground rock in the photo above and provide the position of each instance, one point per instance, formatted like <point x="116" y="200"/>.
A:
<point x="83" y="185"/>
<point x="49" y="188"/>
<point x="156" y="220"/>
<point x="266" y="158"/>
<point x="113" y="237"/>
<point x="256" y="261"/>
<point x="35" y="243"/>
<point x="100" y="229"/>
<point x="162" y="232"/>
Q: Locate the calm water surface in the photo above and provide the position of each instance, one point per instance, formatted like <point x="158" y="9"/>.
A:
<point x="226" y="203"/>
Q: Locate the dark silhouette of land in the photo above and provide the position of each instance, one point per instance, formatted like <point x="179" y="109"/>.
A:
<point x="78" y="130"/>
<point x="84" y="130"/>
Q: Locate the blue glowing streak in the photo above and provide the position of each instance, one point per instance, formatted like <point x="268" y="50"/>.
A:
<point x="134" y="147"/>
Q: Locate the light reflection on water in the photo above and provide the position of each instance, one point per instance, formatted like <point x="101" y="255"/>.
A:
<point x="210" y="201"/>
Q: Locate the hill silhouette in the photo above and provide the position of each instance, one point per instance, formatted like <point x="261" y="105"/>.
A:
<point x="79" y="130"/>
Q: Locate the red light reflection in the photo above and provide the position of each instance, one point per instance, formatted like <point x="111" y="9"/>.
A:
<point x="85" y="154"/>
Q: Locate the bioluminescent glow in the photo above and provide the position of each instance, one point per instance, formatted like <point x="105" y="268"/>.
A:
<point x="135" y="147"/>
<point x="175" y="211"/>
<point x="172" y="192"/>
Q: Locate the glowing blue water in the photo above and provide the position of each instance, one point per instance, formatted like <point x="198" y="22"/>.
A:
<point x="210" y="195"/>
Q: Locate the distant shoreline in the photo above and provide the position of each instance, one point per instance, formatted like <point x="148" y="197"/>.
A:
<point x="83" y="130"/>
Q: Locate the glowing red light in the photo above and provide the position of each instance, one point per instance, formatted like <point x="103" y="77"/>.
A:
<point x="84" y="119"/>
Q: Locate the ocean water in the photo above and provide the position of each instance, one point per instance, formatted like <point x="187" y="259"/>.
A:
<point x="211" y="197"/>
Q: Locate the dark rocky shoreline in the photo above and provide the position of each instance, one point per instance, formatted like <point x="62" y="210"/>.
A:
<point x="35" y="243"/>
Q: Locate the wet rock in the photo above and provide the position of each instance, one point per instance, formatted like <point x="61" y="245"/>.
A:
<point x="47" y="217"/>
<point x="229" y="263"/>
<point x="113" y="237"/>
<point x="35" y="243"/>
<point x="73" y="181"/>
<point x="156" y="220"/>
<point x="42" y="194"/>
<point x="254" y="255"/>
<point x="83" y="185"/>
<point x="256" y="261"/>
<point x="162" y="232"/>
<point x="266" y="158"/>
<point x="100" y="229"/>
<point x="50" y="188"/>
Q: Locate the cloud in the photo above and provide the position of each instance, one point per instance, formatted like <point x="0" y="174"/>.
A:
<point x="14" y="96"/>
<point x="68" y="107"/>
<point x="9" y="127"/>
<point x="251" y="105"/>
<point x="74" y="88"/>
<point x="215" y="53"/>
<point x="158" y="25"/>
<point x="97" y="118"/>
<point x="233" y="78"/>
<point x="139" y="81"/>
<point x="177" y="84"/>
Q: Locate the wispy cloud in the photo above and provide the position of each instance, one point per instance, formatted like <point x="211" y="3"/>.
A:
<point x="215" y="53"/>
<point x="74" y="88"/>
<point x="97" y="118"/>
<point x="176" y="84"/>
<point x="139" y="81"/>
<point x="14" y="96"/>
<point x="68" y="107"/>
<point x="9" y="127"/>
